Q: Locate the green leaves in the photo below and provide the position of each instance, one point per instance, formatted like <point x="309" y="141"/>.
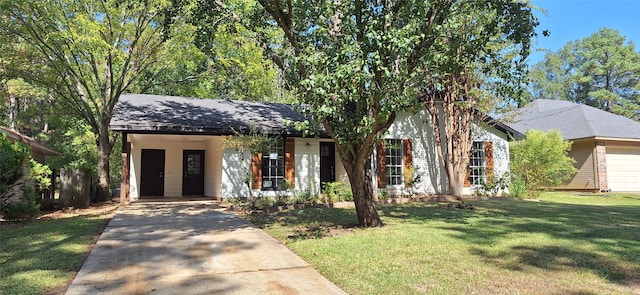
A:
<point x="541" y="160"/>
<point x="602" y="70"/>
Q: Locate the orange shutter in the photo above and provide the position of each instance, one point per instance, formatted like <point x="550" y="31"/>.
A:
<point x="488" y="161"/>
<point x="256" y="171"/>
<point x="381" y="172"/>
<point x="467" y="182"/>
<point x="407" y="160"/>
<point x="290" y="162"/>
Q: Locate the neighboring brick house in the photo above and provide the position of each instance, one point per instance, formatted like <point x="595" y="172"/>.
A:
<point x="606" y="146"/>
<point x="174" y="146"/>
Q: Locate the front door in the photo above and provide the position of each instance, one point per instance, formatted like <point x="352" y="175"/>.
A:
<point x="152" y="173"/>
<point x="327" y="163"/>
<point x="193" y="173"/>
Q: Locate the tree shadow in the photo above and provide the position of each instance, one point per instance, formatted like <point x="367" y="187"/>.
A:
<point x="139" y="251"/>
<point x="604" y="240"/>
<point x="310" y="223"/>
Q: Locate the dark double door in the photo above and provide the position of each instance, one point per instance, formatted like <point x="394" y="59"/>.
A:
<point x="153" y="173"/>
<point x="327" y="163"/>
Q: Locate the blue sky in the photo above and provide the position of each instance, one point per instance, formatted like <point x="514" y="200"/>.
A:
<point x="570" y="20"/>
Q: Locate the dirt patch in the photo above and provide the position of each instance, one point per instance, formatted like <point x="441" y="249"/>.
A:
<point x="106" y="208"/>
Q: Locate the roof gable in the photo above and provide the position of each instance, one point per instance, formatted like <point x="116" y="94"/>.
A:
<point x="574" y="121"/>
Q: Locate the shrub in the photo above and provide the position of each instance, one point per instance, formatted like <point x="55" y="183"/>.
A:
<point x="13" y="155"/>
<point x="541" y="161"/>
<point x="337" y="191"/>
<point x="493" y="186"/>
<point x="25" y="210"/>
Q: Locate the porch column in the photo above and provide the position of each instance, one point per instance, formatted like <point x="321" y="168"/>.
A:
<point x="124" y="175"/>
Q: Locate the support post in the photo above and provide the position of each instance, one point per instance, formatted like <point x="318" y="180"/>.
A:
<point x="124" y="175"/>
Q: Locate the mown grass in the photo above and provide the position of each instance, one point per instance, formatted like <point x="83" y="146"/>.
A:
<point x="38" y="256"/>
<point x="563" y="244"/>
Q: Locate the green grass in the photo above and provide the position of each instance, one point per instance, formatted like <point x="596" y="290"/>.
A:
<point x="40" y="255"/>
<point x="563" y="244"/>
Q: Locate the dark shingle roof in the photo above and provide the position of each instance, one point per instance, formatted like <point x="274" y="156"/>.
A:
<point x="574" y="121"/>
<point x="170" y="114"/>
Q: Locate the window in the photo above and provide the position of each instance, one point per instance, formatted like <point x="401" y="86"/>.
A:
<point x="477" y="165"/>
<point x="393" y="161"/>
<point x="273" y="166"/>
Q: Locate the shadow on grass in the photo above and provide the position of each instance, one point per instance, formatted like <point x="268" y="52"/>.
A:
<point x="604" y="240"/>
<point x="310" y="223"/>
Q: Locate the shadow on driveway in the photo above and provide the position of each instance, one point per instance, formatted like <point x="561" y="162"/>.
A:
<point x="192" y="248"/>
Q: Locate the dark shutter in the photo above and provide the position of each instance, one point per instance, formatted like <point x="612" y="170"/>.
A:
<point x="290" y="162"/>
<point x="381" y="173"/>
<point x="488" y="161"/>
<point x="407" y="159"/>
<point x="256" y="171"/>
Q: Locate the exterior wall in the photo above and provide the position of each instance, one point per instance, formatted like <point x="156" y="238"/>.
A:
<point x="213" y="160"/>
<point x="425" y="155"/>
<point x="307" y="158"/>
<point x="173" y="145"/>
<point x="601" y="165"/>
<point x="586" y="178"/>
<point x="236" y="168"/>
<point x="226" y="170"/>
<point x="500" y="151"/>
<point x="307" y="171"/>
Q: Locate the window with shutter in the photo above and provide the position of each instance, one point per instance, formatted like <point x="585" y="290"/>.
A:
<point x="274" y="169"/>
<point x="477" y="163"/>
<point x="480" y="163"/>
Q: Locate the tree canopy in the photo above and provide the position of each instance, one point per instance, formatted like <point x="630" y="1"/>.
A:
<point x="477" y="69"/>
<point x="601" y="70"/>
<point x="355" y="64"/>
<point x="93" y="51"/>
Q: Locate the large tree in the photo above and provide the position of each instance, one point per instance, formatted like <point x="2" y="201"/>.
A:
<point x="94" y="50"/>
<point x="478" y="68"/>
<point x="602" y="70"/>
<point x="355" y="65"/>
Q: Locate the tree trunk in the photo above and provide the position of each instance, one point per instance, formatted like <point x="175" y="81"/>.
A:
<point x="456" y="182"/>
<point x="360" y="178"/>
<point x="104" y="153"/>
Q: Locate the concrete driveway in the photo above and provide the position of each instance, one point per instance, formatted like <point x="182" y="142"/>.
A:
<point x="192" y="248"/>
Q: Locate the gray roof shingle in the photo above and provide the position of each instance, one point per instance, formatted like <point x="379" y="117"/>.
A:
<point x="574" y="121"/>
<point x="170" y="114"/>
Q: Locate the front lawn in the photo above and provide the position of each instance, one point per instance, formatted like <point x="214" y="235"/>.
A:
<point x="563" y="244"/>
<point x="42" y="256"/>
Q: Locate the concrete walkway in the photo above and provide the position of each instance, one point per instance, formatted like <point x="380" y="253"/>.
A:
<point x="192" y="248"/>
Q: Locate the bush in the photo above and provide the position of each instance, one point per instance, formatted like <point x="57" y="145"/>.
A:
<point x="518" y="188"/>
<point x="13" y="155"/>
<point x="337" y="191"/>
<point x="540" y="161"/>
<point x="13" y="158"/>
<point x="25" y="210"/>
